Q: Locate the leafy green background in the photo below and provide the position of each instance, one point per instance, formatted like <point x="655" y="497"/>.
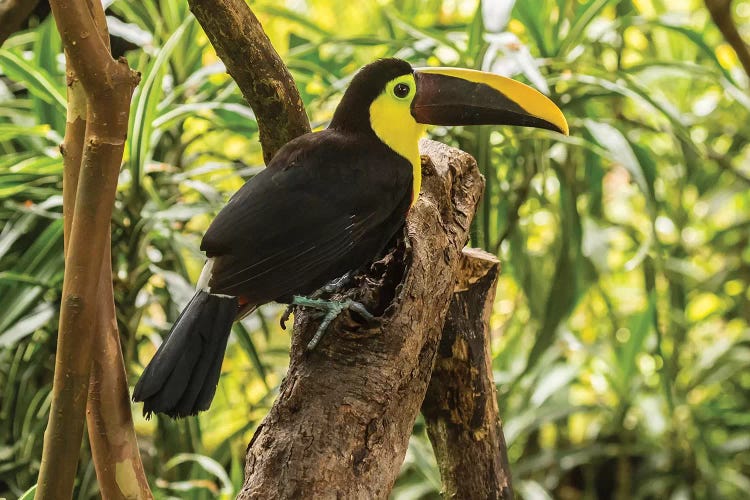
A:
<point x="620" y="330"/>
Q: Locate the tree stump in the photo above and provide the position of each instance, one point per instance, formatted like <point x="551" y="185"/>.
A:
<point x="460" y="406"/>
<point x="341" y="423"/>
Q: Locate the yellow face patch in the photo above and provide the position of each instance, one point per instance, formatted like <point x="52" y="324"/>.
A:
<point x="392" y="122"/>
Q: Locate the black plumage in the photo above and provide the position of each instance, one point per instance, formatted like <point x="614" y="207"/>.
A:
<point x="326" y="204"/>
<point x="181" y="379"/>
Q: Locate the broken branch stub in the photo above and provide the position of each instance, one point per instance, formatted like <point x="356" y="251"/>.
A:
<point x="460" y="407"/>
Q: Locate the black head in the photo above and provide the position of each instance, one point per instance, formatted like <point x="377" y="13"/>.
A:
<point x="391" y="98"/>
<point x="353" y="112"/>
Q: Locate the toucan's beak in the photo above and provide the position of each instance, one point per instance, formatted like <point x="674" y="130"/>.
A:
<point x="453" y="96"/>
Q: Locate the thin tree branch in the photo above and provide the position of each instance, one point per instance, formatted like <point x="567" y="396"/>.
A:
<point x="261" y="75"/>
<point x="341" y="423"/>
<point x="460" y="407"/>
<point x="114" y="446"/>
<point x="721" y="13"/>
<point x="13" y="13"/>
<point x="108" y="85"/>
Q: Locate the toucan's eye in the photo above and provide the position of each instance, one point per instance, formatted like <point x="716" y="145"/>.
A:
<point x="401" y="90"/>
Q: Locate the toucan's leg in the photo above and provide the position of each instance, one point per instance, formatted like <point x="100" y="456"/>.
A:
<point x="332" y="309"/>
<point x="290" y="309"/>
<point x="334" y="286"/>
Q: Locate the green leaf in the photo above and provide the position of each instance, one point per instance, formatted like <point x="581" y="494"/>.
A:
<point x="243" y="336"/>
<point x="532" y="18"/>
<point x="9" y="131"/>
<point x="292" y="16"/>
<point x="27" y="325"/>
<point x="37" y="80"/>
<point x="28" y="494"/>
<point x="697" y="39"/>
<point x="584" y="15"/>
<point x="621" y="153"/>
<point x="179" y="113"/>
<point x="640" y="326"/>
<point x="566" y="287"/>
<point x="206" y="463"/>
<point x="146" y="99"/>
<point x="46" y="49"/>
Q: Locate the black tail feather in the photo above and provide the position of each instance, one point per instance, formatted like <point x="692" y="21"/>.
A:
<point x="181" y="379"/>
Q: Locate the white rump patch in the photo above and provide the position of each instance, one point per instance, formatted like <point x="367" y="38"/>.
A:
<point x="205" y="277"/>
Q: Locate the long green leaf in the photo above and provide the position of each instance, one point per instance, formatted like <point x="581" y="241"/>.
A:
<point x="37" y="80"/>
<point x="146" y="99"/>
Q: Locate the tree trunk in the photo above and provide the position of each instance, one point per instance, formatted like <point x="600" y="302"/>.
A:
<point x="341" y="423"/>
<point x="97" y="145"/>
<point x="460" y="407"/>
<point x="114" y="447"/>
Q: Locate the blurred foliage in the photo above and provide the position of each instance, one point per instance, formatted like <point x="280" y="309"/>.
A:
<point x="620" y="330"/>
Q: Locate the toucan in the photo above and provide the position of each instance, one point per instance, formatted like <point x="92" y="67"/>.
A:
<point x="326" y="205"/>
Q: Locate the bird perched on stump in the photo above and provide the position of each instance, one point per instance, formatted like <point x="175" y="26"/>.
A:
<point x="327" y="204"/>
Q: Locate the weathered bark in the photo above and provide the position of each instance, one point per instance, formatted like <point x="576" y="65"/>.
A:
<point x="261" y="75"/>
<point x="721" y="13"/>
<point x="108" y="86"/>
<point x="13" y="14"/>
<point x="460" y="407"/>
<point x="341" y="423"/>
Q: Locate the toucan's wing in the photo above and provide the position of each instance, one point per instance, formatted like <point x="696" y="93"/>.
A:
<point x="321" y="208"/>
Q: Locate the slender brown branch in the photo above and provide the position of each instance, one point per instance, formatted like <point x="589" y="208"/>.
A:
<point x="72" y="149"/>
<point x="460" y="407"/>
<point x="108" y="86"/>
<point x="721" y="13"/>
<point x="264" y="80"/>
<point x="114" y="446"/>
<point x="341" y="423"/>
<point x="13" y="13"/>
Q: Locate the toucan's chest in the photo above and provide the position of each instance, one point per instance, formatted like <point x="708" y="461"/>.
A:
<point x="378" y="168"/>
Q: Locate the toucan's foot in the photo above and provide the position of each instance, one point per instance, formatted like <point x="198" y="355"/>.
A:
<point x="334" y="286"/>
<point x="290" y="309"/>
<point x="331" y="310"/>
